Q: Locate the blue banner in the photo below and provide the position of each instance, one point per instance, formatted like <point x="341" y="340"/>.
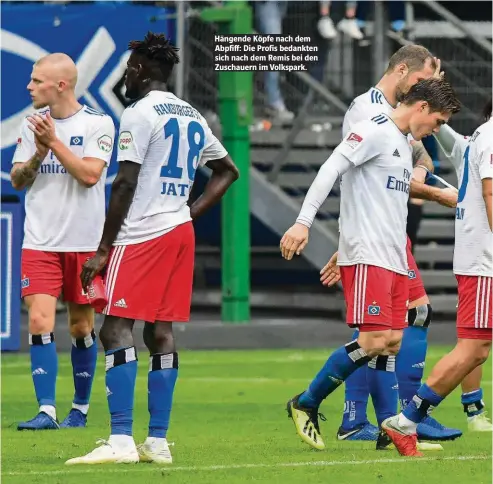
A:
<point x="95" y="35"/>
<point x="10" y="261"/>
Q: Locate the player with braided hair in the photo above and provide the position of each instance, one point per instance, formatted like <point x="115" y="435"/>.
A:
<point x="148" y="245"/>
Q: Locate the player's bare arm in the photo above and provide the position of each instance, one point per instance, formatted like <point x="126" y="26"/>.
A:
<point x="87" y="171"/>
<point x="22" y="175"/>
<point x="487" y="197"/>
<point x="224" y="174"/>
<point x="330" y="273"/>
<point x="421" y="156"/>
<point x="443" y="196"/>
<point x="122" y="193"/>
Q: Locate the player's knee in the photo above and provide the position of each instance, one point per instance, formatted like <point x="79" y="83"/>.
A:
<point x="40" y="321"/>
<point x="395" y="341"/>
<point x="482" y="352"/>
<point x="80" y="328"/>
<point x="158" y="337"/>
<point x="474" y="352"/>
<point x="80" y="320"/>
<point x="420" y="316"/>
<point x="374" y="343"/>
<point x="116" y="333"/>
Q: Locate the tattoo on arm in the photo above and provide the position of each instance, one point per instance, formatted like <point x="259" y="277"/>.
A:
<point x="421" y="156"/>
<point x="25" y="176"/>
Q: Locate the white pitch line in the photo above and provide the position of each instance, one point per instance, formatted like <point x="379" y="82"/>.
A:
<point x="321" y="463"/>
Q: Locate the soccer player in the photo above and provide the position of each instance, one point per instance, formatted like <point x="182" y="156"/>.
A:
<point x="148" y="244"/>
<point x="376" y="161"/>
<point x="61" y="158"/>
<point x="473" y="267"/>
<point x="454" y="146"/>
<point x="407" y="66"/>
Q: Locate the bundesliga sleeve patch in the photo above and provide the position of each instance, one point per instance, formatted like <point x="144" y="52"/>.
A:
<point x="125" y="140"/>
<point x="105" y="143"/>
<point x="353" y="140"/>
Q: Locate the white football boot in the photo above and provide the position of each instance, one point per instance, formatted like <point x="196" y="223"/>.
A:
<point x="108" y="453"/>
<point x="155" y="450"/>
<point x="479" y="423"/>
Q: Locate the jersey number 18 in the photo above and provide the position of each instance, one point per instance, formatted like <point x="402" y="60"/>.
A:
<point x="172" y="129"/>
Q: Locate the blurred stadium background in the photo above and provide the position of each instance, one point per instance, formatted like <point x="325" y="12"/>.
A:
<point x="287" y="144"/>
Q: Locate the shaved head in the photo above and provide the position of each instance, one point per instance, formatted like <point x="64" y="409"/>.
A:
<point x="59" y="67"/>
<point x="53" y="81"/>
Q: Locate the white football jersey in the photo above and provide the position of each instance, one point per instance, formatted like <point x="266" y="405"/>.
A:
<point x="61" y="214"/>
<point x="365" y="106"/>
<point x="473" y="237"/>
<point x="376" y="192"/>
<point x="170" y="139"/>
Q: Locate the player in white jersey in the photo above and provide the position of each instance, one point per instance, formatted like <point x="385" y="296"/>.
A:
<point x="376" y="161"/>
<point x="473" y="267"/>
<point x="404" y="372"/>
<point x="61" y="158"/>
<point x="163" y="141"/>
<point x="454" y="146"/>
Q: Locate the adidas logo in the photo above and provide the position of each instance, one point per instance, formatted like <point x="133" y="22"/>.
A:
<point x="39" y="371"/>
<point x="396" y="153"/>
<point x="395" y="387"/>
<point x="108" y="391"/>
<point x="121" y="303"/>
<point x="84" y="374"/>
<point x="419" y="365"/>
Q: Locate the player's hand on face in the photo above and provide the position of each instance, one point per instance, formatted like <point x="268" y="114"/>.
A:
<point x="92" y="266"/>
<point x="448" y="197"/>
<point x="41" y="149"/>
<point x="438" y="73"/>
<point x="294" y="240"/>
<point x="330" y="274"/>
<point x="43" y="127"/>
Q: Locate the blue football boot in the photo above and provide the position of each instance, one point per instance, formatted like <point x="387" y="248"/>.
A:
<point x="366" y="432"/>
<point x="430" y="429"/>
<point x="74" y="419"/>
<point x="42" y="421"/>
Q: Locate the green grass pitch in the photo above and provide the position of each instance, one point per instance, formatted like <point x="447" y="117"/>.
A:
<point x="229" y="425"/>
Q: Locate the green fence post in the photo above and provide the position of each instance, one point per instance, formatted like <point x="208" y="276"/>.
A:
<point x="235" y="110"/>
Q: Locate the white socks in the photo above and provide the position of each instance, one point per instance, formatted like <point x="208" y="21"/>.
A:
<point x="82" y="408"/>
<point x="407" y="426"/>
<point x="48" y="409"/>
<point x="122" y="441"/>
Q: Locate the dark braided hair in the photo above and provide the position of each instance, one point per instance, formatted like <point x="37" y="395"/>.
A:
<point x="160" y="54"/>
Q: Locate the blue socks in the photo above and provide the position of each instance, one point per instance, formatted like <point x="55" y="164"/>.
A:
<point x="84" y="355"/>
<point x="341" y="363"/>
<point x="473" y="402"/>
<point x="356" y="398"/>
<point x="410" y="362"/>
<point x="382" y="383"/>
<point x="163" y="372"/>
<point x="121" y="373"/>
<point x="44" y="367"/>
<point x="422" y="404"/>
